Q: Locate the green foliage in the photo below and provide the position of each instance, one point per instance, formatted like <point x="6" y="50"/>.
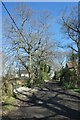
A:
<point x="8" y="108"/>
<point x="68" y="78"/>
<point x="72" y="87"/>
<point x="77" y="90"/>
<point x="57" y="75"/>
<point x="28" y="83"/>
<point x="38" y="82"/>
<point x="8" y="103"/>
<point x="6" y="99"/>
<point x="7" y="89"/>
<point x="42" y="73"/>
<point x="68" y="86"/>
<point x="73" y="56"/>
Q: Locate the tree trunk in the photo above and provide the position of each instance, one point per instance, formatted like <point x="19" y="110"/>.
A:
<point x="79" y="42"/>
<point x="79" y="60"/>
<point x="30" y="81"/>
<point x="31" y="77"/>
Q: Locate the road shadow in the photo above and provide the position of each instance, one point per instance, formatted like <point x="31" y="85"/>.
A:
<point x="54" y="104"/>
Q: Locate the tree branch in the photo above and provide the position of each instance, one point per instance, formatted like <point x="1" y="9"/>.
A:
<point x="73" y="48"/>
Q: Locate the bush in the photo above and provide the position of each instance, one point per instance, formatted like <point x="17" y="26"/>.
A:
<point x="8" y="103"/>
<point x="69" y="86"/>
<point x="57" y="75"/>
<point x="68" y="78"/>
<point x="77" y="90"/>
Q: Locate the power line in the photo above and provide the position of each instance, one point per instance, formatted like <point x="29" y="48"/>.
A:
<point x="13" y="20"/>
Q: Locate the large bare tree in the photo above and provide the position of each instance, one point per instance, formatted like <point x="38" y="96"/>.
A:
<point x="31" y="45"/>
<point x="70" y="22"/>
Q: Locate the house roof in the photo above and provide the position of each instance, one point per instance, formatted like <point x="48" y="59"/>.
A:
<point x="71" y="65"/>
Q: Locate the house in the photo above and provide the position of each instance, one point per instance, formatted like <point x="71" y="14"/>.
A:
<point x="70" y="72"/>
<point x="22" y="74"/>
<point x="71" y="66"/>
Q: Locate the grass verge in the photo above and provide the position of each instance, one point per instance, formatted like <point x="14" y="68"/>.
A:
<point x="7" y="104"/>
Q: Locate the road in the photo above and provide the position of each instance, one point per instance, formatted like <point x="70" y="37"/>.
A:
<point x="51" y="102"/>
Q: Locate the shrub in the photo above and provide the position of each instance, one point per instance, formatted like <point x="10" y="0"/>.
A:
<point x="68" y="78"/>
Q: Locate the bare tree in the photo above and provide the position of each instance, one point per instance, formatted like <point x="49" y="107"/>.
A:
<point x="71" y="27"/>
<point x="32" y="45"/>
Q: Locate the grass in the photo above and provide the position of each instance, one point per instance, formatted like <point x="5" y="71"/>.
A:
<point x="71" y="87"/>
<point x="77" y="90"/>
<point x="68" y="86"/>
<point x="7" y="108"/>
<point x="6" y="103"/>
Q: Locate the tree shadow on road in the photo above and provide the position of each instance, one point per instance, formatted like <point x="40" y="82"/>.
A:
<point x="53" y="104"/>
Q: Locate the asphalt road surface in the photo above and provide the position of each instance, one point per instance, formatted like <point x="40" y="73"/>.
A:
<point x="51" y="102"/>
